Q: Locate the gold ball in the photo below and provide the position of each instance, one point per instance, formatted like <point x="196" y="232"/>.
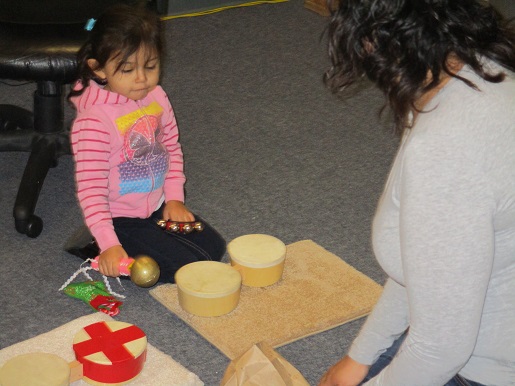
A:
<point x="144" y="271"/>
<point x="199" y="227"/>
<point x="187" y="228"/>
<point x="162" y="223"/>
<point x="173" y="227"/>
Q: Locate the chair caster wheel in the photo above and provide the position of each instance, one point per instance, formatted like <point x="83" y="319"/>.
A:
<point x="34" y="226"/>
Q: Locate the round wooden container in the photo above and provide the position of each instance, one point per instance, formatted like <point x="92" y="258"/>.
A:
<point x="259" y="259"/>
<point x="111" y="353"/>
<point x="208" y="288"/>
<point x="35" y="369"/>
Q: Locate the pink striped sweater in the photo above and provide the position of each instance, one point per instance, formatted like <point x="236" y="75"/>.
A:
<point x="127" y="158"/>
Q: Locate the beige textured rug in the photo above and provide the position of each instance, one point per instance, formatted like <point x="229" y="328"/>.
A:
<point x="159" y="370"/>
<point x="318" y="291"/>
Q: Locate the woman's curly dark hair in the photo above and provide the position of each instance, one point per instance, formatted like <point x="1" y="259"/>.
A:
<point x="118" y="33"/>
<point x="396" y="43"/>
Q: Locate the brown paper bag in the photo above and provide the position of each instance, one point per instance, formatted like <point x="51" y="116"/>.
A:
<point x="261" y="365"/>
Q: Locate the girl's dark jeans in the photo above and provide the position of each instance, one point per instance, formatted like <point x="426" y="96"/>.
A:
<point x="170" y="250"/>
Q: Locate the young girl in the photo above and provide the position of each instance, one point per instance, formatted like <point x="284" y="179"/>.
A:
<point x="128" y="161"/>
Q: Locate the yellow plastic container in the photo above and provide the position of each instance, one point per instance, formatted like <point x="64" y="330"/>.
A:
<point x="259" y="258"/>
<point x="208" y="288"/>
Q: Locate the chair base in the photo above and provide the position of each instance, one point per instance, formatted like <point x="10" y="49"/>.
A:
<point x="46" y="140"/>
<point x="44" y="154"/>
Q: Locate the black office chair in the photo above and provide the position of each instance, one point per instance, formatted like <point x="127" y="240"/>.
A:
<point x="38" y="43"/>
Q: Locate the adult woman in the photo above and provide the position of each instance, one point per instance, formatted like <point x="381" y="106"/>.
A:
<point x="444" y="229"/>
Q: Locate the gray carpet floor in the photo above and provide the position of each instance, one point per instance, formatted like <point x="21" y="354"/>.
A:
<point x="268" y="149"/>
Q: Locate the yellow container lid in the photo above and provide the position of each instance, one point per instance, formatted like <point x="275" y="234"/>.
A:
<point x="208" y="279"/>
<point x="257" y="250"/>
<point x="35" y="369"/>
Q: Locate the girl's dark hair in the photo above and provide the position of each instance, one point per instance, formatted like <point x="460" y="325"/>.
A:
<point x="396" y="43"/>
<point x="119" y="33"/>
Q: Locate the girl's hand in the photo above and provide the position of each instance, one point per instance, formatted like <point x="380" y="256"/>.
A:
<point x="346" y="372"/>
<point x="109" y="260"/>
<point x="177" y="211"/>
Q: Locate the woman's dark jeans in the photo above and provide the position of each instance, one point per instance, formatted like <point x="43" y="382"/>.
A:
<point x="385" y="359"/>
<point x="171" y="251"/>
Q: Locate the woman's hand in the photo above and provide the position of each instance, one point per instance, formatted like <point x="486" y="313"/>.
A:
<point x="346" y="372"/>
<point x="177" y="211"/>
<point x="109" y="260"/>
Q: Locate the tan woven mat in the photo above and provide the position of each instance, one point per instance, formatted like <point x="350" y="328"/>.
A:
<point x="318" y="291"/>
